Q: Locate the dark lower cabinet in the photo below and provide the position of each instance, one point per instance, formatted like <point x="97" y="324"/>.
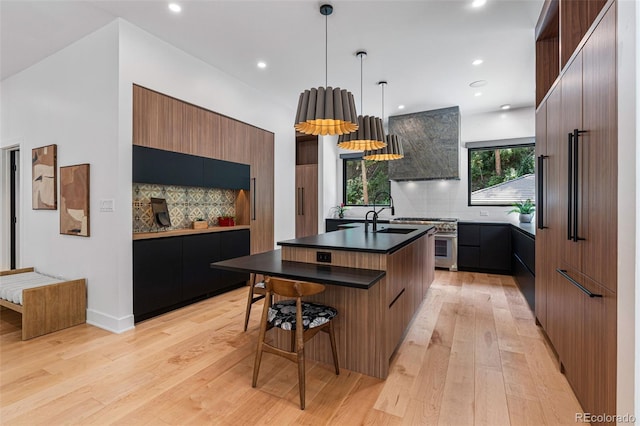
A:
<point x="523" y="264"/>
<point x="233" y="244"/>
<point x="198" y="251"/>
<point x="157" y="274"/>
<point x="484" y="247"/>
<point x="174" y="271"/>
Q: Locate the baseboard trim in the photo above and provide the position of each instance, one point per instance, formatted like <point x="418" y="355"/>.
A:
<point x="109" y="322"/>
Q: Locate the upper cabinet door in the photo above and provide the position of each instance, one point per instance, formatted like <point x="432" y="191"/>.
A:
<point x="225" y="174"/>
<point x="165" y="167"/>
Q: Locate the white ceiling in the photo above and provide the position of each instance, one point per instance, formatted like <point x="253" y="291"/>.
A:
<point x="424" y="49"/>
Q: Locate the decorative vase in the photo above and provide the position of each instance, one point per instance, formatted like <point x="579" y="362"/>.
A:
<point x="525" y="217"/>
<point x="341" y="215"/>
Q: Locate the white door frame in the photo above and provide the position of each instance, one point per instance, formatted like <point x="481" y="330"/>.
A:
<point x="5" y="211"/>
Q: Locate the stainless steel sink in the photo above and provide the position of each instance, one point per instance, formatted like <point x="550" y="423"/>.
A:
<point x="395" y="230"/>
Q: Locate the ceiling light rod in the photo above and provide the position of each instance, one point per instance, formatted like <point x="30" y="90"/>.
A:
<point x="361" y="54"/>
<point x="382" y="84"/>
<point x="326" y="10"/>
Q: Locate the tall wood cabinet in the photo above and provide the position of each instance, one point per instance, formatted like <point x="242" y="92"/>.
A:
<point x="163" y="122"/>
<point x="306" y="195"/>
<point x="576" y="239"/>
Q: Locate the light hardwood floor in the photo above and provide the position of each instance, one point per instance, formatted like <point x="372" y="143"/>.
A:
<point x="472" y="355"/>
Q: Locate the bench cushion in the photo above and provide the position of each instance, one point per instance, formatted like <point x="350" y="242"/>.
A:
<point x="11" y="286"/>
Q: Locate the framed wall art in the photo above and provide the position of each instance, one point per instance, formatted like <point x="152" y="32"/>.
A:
<point x="74" y="200"/>
<point x="44" y="186"/>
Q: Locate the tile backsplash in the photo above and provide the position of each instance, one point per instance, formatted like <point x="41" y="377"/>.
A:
<point x="185" y="204"/>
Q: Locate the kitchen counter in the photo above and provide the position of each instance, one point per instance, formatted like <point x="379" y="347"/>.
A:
<point x="181" y="232"/>
<point x="270" y="263"/>
<point x="527" y="228"/>
<point x="355" y="239"/>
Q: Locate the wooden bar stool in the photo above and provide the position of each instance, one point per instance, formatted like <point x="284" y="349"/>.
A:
<point x="255" y="288"/>
<point x="289" y="315"/>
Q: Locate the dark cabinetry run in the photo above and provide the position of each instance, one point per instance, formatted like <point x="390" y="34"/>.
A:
<point x="523" y="264"/>
<point x="152" y="165"/>
<point x="484" y="247"/>
<point x="174" y="271"/>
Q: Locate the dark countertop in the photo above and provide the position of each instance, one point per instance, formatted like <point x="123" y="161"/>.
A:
<point x="271" y="263"/>
<point x="355" y="239"/>
<point x="527" y="228"/>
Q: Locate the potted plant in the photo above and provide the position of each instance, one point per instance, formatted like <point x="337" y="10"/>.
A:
<point x="340" y="209"/>
<point x="525" y="209"/>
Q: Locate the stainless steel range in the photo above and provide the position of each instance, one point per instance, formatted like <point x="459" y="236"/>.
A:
<point x="446" y="238"/>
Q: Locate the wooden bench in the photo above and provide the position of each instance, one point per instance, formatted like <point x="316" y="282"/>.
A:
<point x="48" y="307"/>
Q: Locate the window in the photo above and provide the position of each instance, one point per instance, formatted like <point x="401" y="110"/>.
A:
<point x="501" y="175"/>
<point x="363" y="179"/>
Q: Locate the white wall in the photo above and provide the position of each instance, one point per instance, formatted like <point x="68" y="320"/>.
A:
<point x="71" y="99"/>
<point x="628" y="351"/>
<point x="150" y="62"/>
<point x="81" y="99"/>
<point x="448" y="198"/>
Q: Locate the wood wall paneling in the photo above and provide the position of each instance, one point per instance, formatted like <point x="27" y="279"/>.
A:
<point x="163" y="122"/>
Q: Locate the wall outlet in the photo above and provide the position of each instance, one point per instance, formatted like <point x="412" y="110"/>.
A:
<point x="107" y="206"/>
<point x="323" y="256"/>
<point x="484" y="213"/>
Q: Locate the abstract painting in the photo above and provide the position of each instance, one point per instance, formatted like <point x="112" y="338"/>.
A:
<point x="43" y="178"/>
<point x="74" y="200"/>
<point x="431" y="141"/>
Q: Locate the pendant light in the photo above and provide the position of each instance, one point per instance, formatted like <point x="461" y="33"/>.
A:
<point x="326" y="110"/>
<point x="393" y="150"/>
<point x="370" y="134"/>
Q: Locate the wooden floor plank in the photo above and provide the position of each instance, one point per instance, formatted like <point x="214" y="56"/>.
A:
<point x="472" y="355"/>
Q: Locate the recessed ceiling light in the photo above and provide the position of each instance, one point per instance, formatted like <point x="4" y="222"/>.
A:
<point x="477" y="94"/>
<point x="478" y="3"/>
<point x="505" y="106"/>
<point x="175" y="7"/>
<point x="400" y="106"/>
<point x="478" y="83"/>
<point x="262" y="64"/>
<point x="477" y="62"/>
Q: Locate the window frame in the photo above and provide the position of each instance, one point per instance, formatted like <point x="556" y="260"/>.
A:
<point x="345" y="158"/>
<point x="470" y="150"/>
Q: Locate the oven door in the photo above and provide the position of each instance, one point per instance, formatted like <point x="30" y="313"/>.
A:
<point x="446" y="251"/>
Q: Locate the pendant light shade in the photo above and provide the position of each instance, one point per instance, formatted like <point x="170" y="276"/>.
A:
<point x="326" y="110"/>
<point x="393" y="150"/>
<point x="370" y="133"/>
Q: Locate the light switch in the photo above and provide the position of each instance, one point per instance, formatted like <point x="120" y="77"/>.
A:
<point x="107" y="206"/>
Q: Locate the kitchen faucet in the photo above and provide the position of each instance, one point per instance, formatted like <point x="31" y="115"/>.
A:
<point x="375" y="213"/>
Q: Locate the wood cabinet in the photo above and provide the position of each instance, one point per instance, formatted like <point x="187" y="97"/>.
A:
<point x="166" y="123"/>
<point x="306" y="200"/>
<point x="576" y="239"/>
<point x="262" y="190"/>
<point x="484" y="247"/>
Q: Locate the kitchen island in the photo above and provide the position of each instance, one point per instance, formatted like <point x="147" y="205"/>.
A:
<point x="393" y="268"/>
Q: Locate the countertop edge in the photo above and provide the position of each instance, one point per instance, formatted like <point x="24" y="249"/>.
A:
<point x="183" y="232"/>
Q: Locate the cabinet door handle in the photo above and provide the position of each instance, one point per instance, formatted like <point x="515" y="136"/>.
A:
<point x="540" y="200"/>
<point x="302" y="201"/>
<point x="253" y="202"/>
<point x="298" y="201"/>
<point x="586" y="291"/>
<point x="576" y="176"/>
<point x="570" y="187"/>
